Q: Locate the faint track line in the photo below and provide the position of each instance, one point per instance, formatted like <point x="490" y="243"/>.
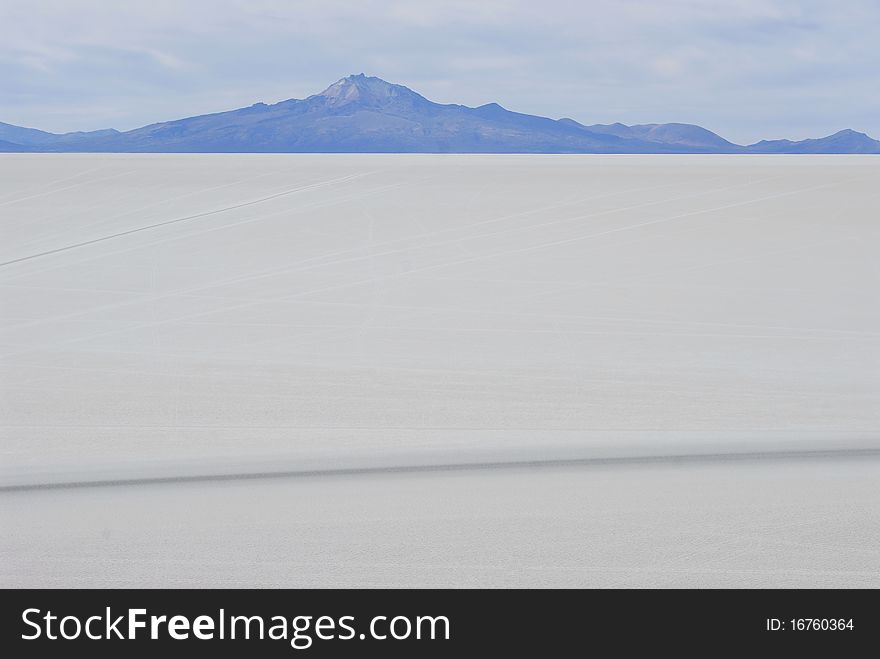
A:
<point x="181" y="219"/>
<point x="457" y="466"/>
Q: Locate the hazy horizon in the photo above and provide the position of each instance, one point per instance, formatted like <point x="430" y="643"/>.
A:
<point x="759" y="69"/>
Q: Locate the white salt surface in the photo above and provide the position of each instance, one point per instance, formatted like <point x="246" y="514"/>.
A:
<point x="762" y="523"/>
<point x="188" y="316"/>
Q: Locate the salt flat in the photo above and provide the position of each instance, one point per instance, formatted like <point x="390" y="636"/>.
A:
<point x="743" y="523"/>
<point x="216" y="316"/>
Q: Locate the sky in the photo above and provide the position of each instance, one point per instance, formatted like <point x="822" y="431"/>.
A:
<point x="746" y="69"/>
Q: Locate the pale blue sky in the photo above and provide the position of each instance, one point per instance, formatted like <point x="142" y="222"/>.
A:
<point x="747" y="69"/>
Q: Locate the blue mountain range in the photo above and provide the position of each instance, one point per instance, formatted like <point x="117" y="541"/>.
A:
<point x="361" y="114"/>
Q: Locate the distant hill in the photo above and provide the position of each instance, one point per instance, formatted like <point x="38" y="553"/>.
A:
<point x="16" y="135"/>
<point x="31" y="137"/>
<point x="686" y="135"/>
<point x="844" y="141"/>
<point x="368" y="115"/>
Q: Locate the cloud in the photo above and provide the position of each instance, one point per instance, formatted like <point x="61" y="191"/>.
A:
<point x="746" y="68"/>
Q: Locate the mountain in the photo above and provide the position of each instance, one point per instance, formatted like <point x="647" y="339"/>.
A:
<point x="844" y="141"/>
<point x="362" y="114"/>
<point x="17" y="135"/>
<point x="682" y="134"/>
<point x="31" y="137"/>
<point x="366" y="114"/>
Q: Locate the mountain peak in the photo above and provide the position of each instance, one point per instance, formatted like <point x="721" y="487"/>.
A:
<point x="360" y="88"/>
<point x="849" y="132"/>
